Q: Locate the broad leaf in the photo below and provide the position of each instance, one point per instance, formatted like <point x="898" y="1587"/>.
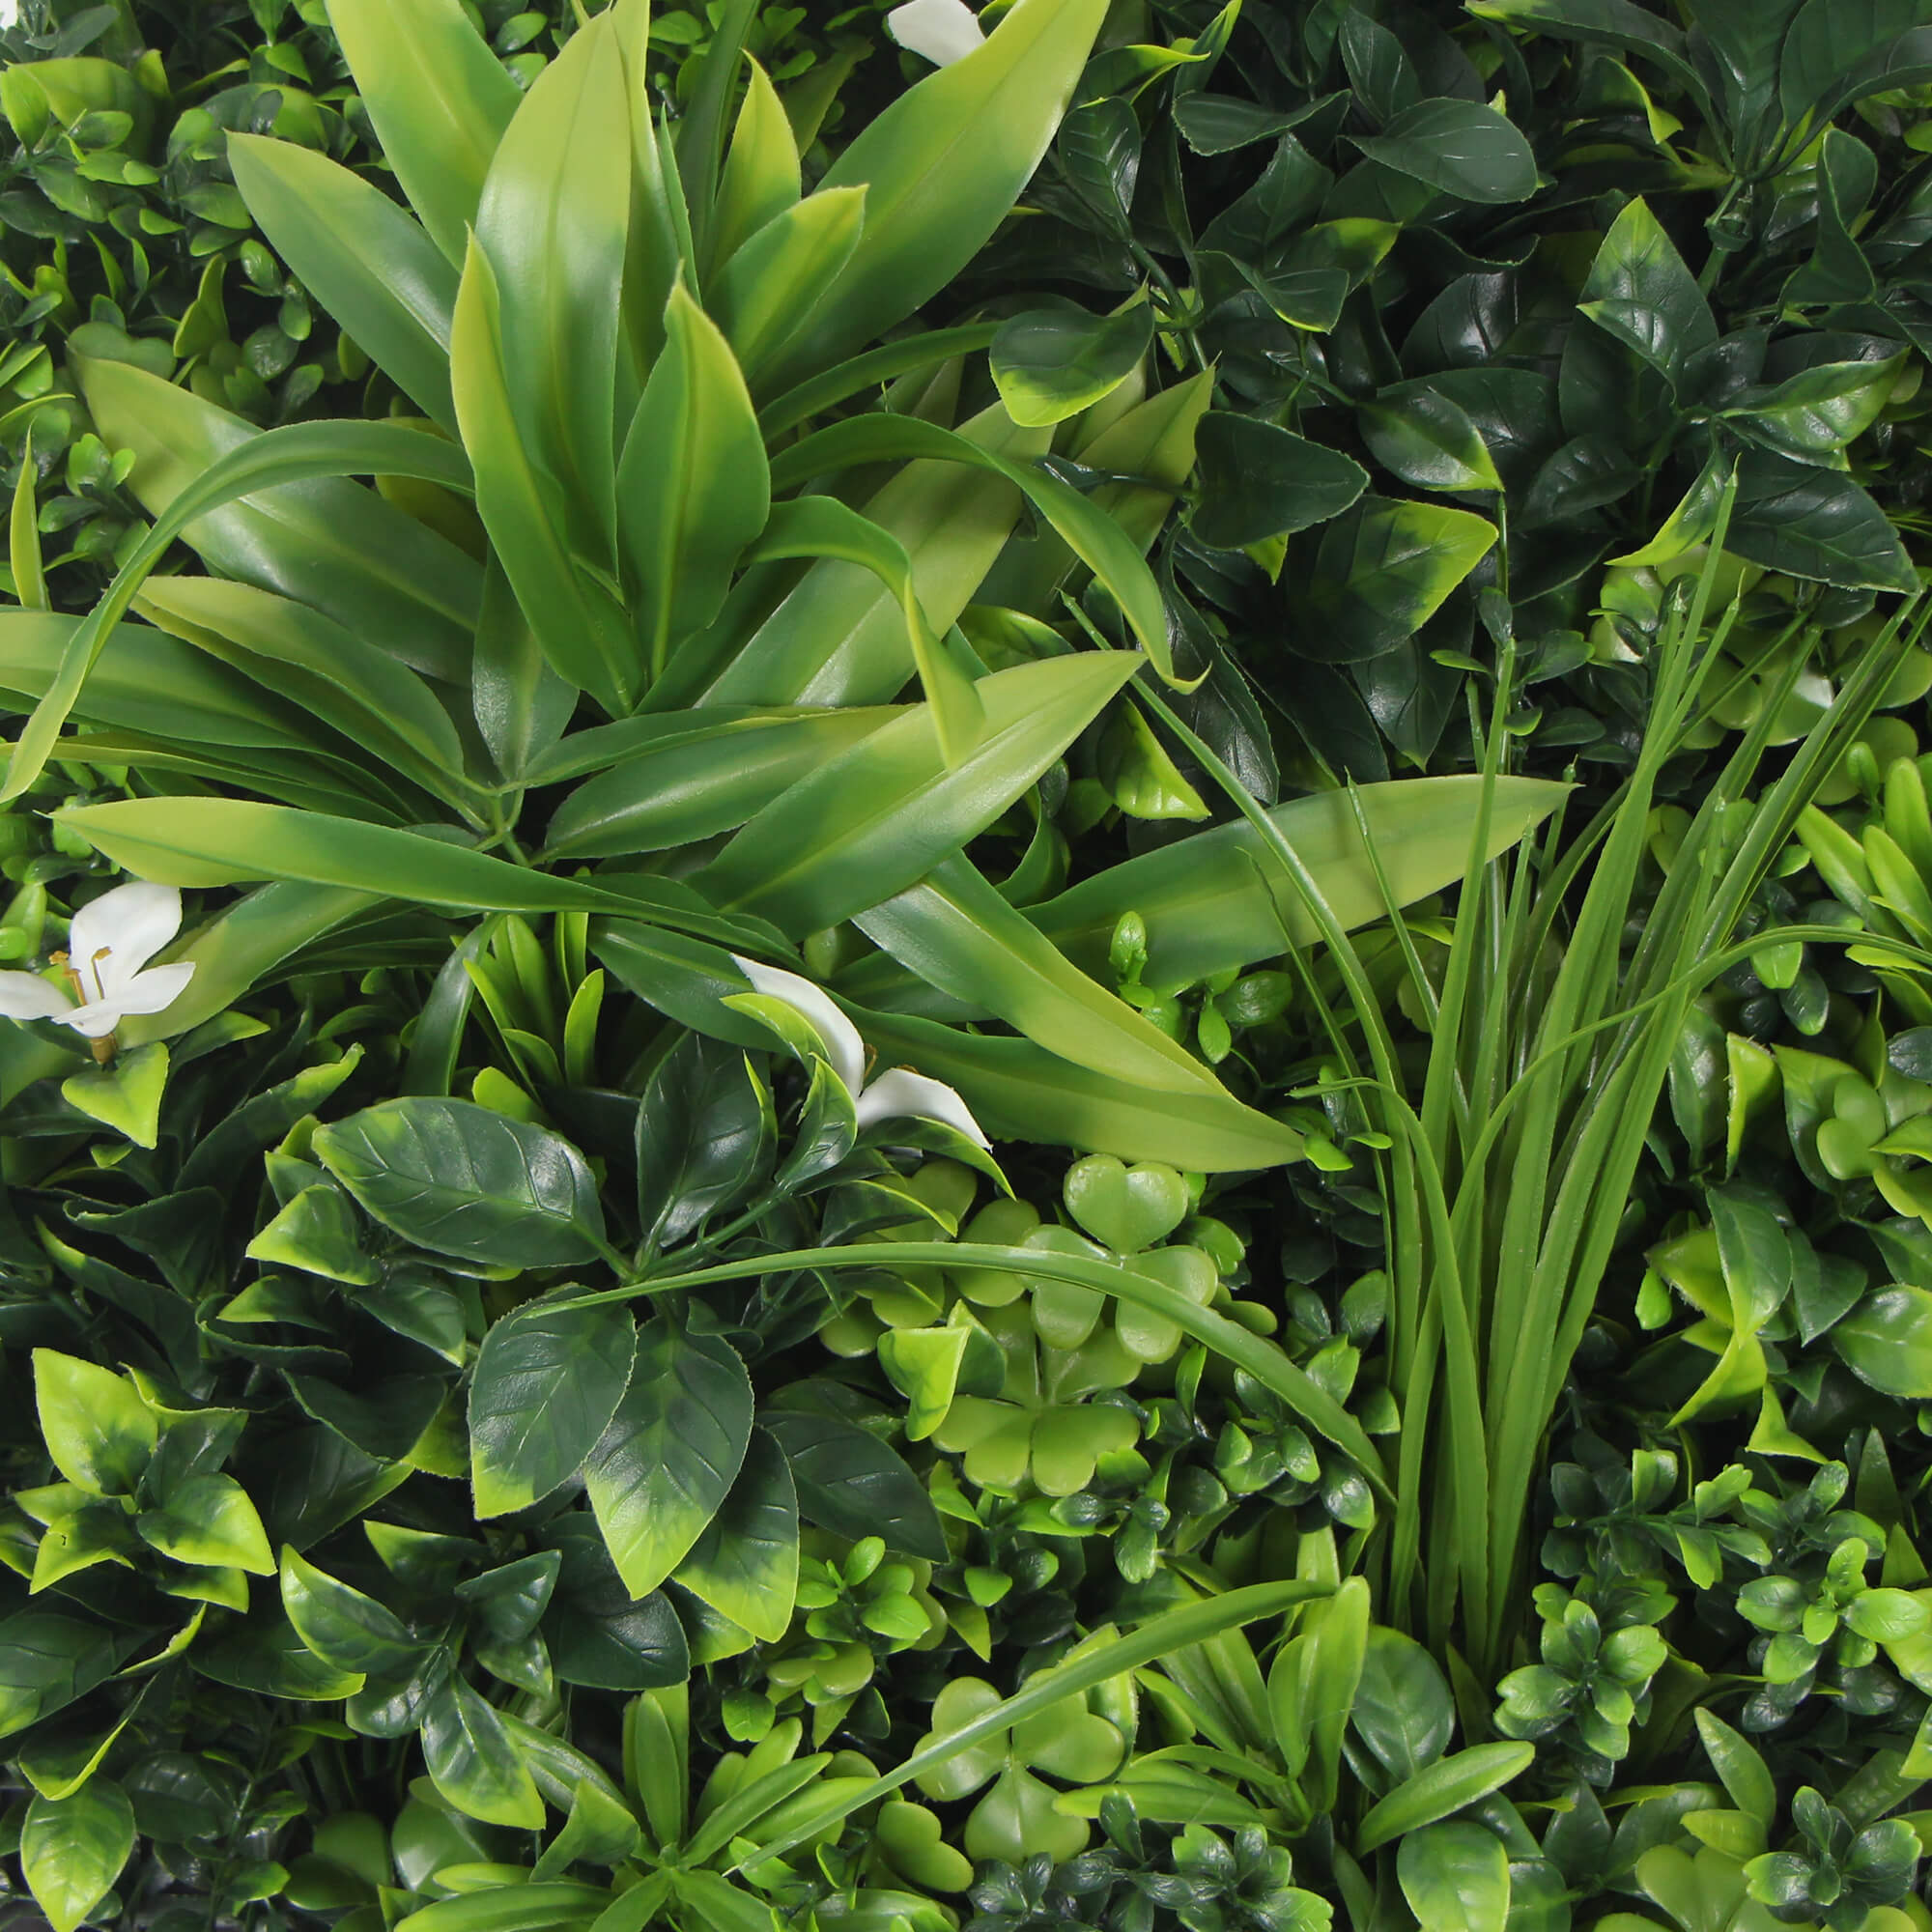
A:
<point x="671" y="1452"/>
<point x="465" y="1181"/>
<point x="546" y="1385"/>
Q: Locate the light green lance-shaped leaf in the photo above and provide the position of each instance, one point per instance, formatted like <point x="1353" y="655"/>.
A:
<point x="468" y="1181"/>
<point x="745" y="1565"/>
<point x="693" y="490"/>
<point x="958" y="934"/>
<point x="671" y="1453"/>
<point x="838" y="636"/>
<point x="73" y="1849"/>
<point x="265" y="464"/>
<point x="287" y="648"/>
<point x="1206" y="907"/>
<point x="1100" y="543"/>
<point x="769" y="289"/>
<point x="546" y="1385"/>
<point x="872" y="822"/>
<point x="942" y="167"/>
<point x="302" y="530"/>
<point x="1441" y="1788"/>
<point x="371" y="266"/>
<point x="761" y="173"/>
<point x="583" y="630"/>
<point x="222" y="841"/>
<point x="822" y="527"/>
<point x="554" y="221"/>
<point x="676" y="778"/>
<point x="1021" y="1092"/>
<point x="439" y="101"/>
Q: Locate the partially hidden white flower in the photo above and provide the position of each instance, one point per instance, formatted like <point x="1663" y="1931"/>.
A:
<point x="943" y="31"/>
<point x="900" y="1094"/>
<point x="10" y="14"/>
<point x="109" y="943"/>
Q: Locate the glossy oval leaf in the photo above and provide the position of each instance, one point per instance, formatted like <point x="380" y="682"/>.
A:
<point x="73" y="1848"/>
<point x="672" y="1451"/>
<point x="465" y="1180"/>
<point x="1464" y="148"/>
<point x="1455" y="1877"/>
<point x="1260" y="481"/>
<point x="1051" y="363"/>
<point x="854" y="1484"/>
<point x="745" y="1563"/>
<point x="546" y="1385"/>
<point x="1886" y="1341"/>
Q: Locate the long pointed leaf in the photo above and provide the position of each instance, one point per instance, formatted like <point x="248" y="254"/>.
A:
<point x="369" y="265"/>
<point x="439" y="101"/>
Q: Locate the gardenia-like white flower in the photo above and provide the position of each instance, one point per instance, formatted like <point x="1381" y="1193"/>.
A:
<point x="110" y="942"/>
<point x="898" y="1095"/>
<point x="944" y="31"/>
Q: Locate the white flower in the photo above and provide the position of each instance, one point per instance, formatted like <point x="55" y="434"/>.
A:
<point x="110" y="942"/>
<point x="944" y="31"/>
<point x="10" y="14"/>
<point x="895" y="1095"/>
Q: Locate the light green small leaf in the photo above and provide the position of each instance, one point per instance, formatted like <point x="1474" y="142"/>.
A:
<point x="125" y="1095"/>
<point x="472" y="1762"/>
<point x="96" y="1427"/>
<point x="210" y="1521"/>
<point x="1455" y="1878"/>
<point x="1051" y="364"/>
<point x="73" y="1849"/>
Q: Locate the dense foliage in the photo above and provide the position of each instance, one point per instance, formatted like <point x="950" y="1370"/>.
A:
<point x="1047" y="1042"/>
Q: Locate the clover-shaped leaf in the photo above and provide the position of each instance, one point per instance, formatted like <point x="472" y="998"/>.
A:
<point x="1016" y="1819"/>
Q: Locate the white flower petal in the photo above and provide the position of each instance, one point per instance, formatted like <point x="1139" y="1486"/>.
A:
<point x="132" y="922"/>
<point x="943" y="31"/>
<point x="26" y="996"/>
<point x="96" y="1021"/>
<point x="903" y="1095"/>
<point x="843" y="1047"/>
<point x="149" y="992"/>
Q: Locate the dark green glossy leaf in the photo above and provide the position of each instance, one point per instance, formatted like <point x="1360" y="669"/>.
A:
<point x="701" y="1135"/>
<point x="465" y="1180"/>
<point x="671" y="1452"/>
<point x="854" y="1484"/>
<point x="1462" y="148"/>
<point x="546" y="1382"/>
<point x="1257" y="481"/>
<point x="1051" y="364"/>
